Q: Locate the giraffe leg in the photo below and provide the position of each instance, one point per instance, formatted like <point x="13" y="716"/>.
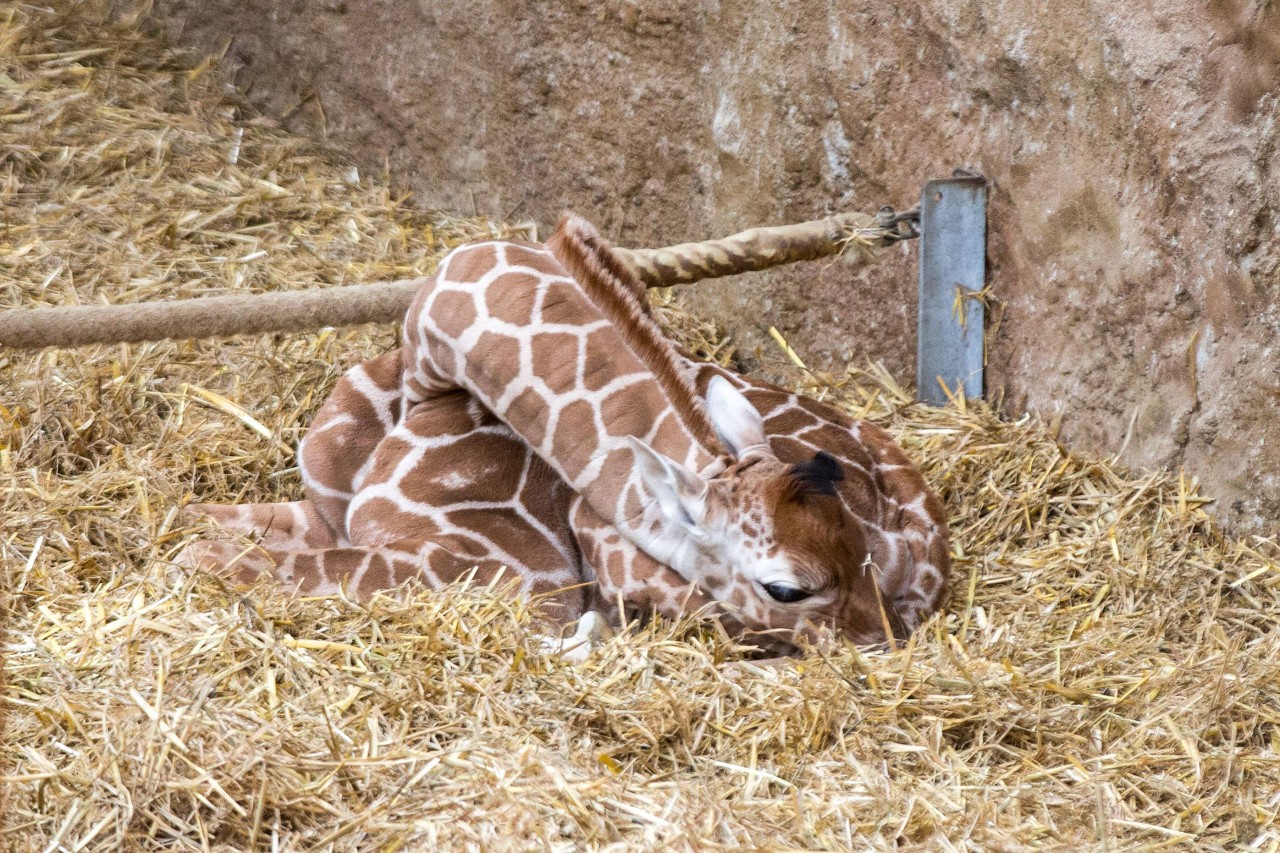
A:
<point x="283" y="526"/>
<point x="355" y="570"/>
<point x="241" y="563"/>
<point x="359" y="571"/>
<point x="346" y="431"/>
<point x="279" y="526"/>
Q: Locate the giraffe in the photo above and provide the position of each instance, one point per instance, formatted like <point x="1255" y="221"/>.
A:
<point x="610" y="474"/>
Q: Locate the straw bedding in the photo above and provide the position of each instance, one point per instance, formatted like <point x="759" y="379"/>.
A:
<point x="1105" y="678"/>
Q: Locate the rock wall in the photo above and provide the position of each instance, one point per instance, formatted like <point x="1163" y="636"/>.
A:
<point x="1133" y="149"/>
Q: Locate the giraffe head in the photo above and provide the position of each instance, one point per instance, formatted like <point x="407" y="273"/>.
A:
<point x="771" y="540"/>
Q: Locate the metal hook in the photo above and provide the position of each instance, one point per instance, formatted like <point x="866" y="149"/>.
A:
<point x="901" y="226"/>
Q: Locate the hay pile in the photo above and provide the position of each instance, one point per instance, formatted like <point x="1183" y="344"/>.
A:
<point x="1106" y="677"/>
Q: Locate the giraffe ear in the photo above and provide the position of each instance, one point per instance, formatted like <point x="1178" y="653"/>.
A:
<point x="736" y="421"/>
<point x="680" y="493"/>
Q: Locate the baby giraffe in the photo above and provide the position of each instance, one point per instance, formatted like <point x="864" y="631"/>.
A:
<point x="537" y="422"/>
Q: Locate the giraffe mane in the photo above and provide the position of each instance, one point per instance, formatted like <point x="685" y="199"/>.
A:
<point x="617" y="291"/>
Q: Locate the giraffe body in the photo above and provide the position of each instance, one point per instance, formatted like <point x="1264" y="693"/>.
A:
<point x="503" y="438"/>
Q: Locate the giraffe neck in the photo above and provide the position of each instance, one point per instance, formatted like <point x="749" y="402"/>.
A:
<point x="618" y="293"/>
<point x="508" y="323"/>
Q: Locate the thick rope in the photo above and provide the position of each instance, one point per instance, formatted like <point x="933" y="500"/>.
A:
<point x="385" y="302"/>
<point x="208" y="317"/>
<point x="760" y="248"/>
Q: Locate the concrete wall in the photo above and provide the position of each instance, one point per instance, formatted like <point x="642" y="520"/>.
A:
<point x="1133" y="149"/>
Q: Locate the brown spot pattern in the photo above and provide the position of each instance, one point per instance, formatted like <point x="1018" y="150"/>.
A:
<point x="454" y="312"/>
<point x="511" y="299"/>
<point x="575" y="439"/>
<point x="555" y="361"/>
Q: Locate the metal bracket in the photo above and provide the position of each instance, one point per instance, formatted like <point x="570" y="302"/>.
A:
<point x="953" y="255"/>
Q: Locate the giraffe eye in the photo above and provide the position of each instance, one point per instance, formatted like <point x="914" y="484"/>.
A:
<point x="786" y="594"/>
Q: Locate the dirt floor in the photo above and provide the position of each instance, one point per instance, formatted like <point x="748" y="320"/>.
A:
<point x="1104" y="678"/>
<point x="1133" y="150"/>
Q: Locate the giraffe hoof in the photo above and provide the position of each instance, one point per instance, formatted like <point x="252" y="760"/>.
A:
<point x="592" y="631"/>
<point x="594" y="627"/>
<point x="767" y="668"/>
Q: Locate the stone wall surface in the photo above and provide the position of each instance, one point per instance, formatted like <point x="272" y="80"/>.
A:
<point x="1133" y="150"/>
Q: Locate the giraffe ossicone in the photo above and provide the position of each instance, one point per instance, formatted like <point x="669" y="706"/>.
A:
<point x="536" y="421"/>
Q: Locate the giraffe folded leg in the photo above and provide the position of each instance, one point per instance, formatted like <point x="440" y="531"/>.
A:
<point x="243" y="563"/>
<point x="274" y="527"/>
<point x="283" y="526"/>
<point x="355" y="570"/>
<point x="360" y="571"/>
